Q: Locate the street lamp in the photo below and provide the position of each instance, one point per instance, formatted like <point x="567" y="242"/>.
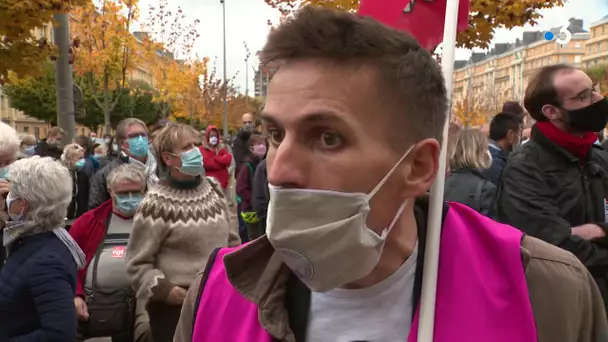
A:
<point x="247" y="54"/>
<point x="225" y="121"/>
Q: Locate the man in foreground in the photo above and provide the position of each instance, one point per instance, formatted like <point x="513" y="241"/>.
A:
<point x="354" y="117"/>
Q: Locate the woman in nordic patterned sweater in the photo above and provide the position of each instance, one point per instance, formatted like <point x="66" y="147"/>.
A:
<point x="178" y="224"/>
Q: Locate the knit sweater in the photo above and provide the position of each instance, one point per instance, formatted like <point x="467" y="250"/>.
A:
<point x="175" y="229"/>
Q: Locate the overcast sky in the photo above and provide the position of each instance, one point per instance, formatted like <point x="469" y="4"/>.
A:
<point x="246" y="21"/>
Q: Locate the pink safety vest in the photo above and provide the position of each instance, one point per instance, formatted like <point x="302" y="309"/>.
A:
<point x="482" y="294"/>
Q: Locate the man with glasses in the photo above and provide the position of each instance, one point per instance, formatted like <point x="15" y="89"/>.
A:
<point x="555" y="187"/>
<point x="133" y="145"/>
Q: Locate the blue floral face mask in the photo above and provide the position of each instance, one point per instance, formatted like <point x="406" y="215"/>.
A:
<point x="138" y="146"/>
<point x="128" y="203"/>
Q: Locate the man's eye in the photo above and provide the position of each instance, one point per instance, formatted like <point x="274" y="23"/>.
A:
<point x="331" y="140"/>
<point x="275" y="136"/>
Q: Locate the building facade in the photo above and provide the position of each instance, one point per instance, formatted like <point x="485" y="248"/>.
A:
<point x="28" y="125"/>
<point x="487" y="80"/>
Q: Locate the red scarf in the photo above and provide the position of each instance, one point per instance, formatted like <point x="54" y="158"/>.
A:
<point x="578" y="146"/>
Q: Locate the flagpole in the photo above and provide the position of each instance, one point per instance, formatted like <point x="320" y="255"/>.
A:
<point x="426" y="323"/>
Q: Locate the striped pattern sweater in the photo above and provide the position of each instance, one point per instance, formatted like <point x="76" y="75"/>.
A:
<point x="174" y="232"/>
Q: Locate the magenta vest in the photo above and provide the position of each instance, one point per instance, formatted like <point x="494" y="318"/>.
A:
<point x="482" y="294"/>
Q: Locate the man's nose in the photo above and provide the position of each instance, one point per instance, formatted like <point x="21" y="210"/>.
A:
<point x="287" y="165"/>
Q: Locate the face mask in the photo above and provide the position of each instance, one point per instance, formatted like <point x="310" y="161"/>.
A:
<point x="248" y="127"/>
<point x="29" y="151"/>
<point x="213" y="141"/>
<point x="80" y="163"/>
<point x="114" y="147"/>
<point x="128" y="203"/>
<point x="97" y="156"/>
<point x="192" y="162"/>
<point x="138" y="146"/>
<point x="332" y="247"/>
<point x="592" y="118"/>
<point x="106" y="141"/>
<point x="259" y="150"/>
<point x="3" y="172"/>
<point x="14" y="217"/>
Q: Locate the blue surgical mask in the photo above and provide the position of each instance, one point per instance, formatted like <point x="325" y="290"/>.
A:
<point x="128" y="203"/>
<point x="138" y="146"/>
<point x="29" y="151"/>
<point x="97" y="156"/>
<point x="3" y="172"/>
<point x="14" y="217"/>
<point x="80" y="163"/>
<point x="192" y="162"/>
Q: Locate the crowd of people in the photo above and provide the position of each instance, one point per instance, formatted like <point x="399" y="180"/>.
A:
<point x="136" y="238"/>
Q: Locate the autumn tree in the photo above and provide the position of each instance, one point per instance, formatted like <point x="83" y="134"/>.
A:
<point x="470" y="111"/>
<point x="20" y="50"/>
<point x="484" y="16"/>
<point x="599" y="76"/>
<point x="107" y="50"/>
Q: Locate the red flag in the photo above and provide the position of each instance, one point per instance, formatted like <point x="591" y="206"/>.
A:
<point x="423" y="19"/>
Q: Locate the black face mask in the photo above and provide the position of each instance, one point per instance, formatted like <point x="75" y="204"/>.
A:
<point x="592" y="118"/>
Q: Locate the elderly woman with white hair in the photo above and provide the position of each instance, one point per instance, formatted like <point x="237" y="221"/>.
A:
<point x="38" y="280"/>
<point x="73" y="159"/>
<point x="9" y="147"/>
<point x="103" y="233"/>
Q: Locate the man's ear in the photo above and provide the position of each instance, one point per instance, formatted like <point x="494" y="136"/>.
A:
<point x="424" y="163"/>
<point x="551" y="112"/>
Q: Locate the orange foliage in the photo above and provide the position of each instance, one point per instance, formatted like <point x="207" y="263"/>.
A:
<point x="469" y="112"/>
<point x="484" y="16"/>
<point x="20" y="51"/>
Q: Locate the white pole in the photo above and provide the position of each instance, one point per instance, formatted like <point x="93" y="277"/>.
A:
<point x="225" y="78"/>
<point x="426" y="325"/>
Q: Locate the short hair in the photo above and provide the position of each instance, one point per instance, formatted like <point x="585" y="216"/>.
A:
<point x="512" y="107"/>
<point x="255" y="138"/>
<point x="27" y="139"/>
<point x="9" y="140"/>
<point x="69" y="151"/>
<point x="169" y="137"/>
<point x="56" y="131"/>
<point x="85" y="142"/>
<point x="470" y="151"/>
<point x="541" y="90"/>
<point x="46" y="185"/>
<point x="502" y="123"/>
<point x="410" y="81"/>
<point x="127" y="173"/>
<point x="121" y="129"/>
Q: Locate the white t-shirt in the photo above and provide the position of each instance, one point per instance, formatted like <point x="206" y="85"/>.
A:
<point x="380" y="313"/>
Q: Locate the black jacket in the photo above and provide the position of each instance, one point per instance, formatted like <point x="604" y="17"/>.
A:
<point x="545" y="191"/>
<point x="98" y="192"/>
<point x="499" y="160"/>
<point x="80" y="194"/>
<point x="240" y="149"/>
<point x="43" y="149"/>
<point x="37" y="286"/>
<point x="260" y="196"/>
<point x="470" y="188"/>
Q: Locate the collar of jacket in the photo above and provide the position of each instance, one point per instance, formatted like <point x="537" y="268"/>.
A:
<point x="539" y="138"/>
<point x="258" y="274"/>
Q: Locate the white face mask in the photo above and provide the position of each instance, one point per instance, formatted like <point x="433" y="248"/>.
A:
<point x="322" y="235"/>
<point x="213" y="141"/>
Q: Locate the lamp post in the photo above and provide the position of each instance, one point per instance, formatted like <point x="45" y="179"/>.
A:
<point x="225" y="120"/>
<point x="247" y="54"/>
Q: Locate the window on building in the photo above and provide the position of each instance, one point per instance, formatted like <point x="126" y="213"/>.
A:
<point x="564" y="59"/>
<point x="577" y="59"/>
<point x="577" y="45"/>
<point x="37" y="132"/>
<point x="26" y="129"/>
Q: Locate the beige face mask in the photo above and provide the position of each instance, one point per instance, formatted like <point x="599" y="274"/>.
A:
<point x="322" y="236"/>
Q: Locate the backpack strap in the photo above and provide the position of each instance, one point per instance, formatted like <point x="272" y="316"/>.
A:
<point x="197" y="303"/>
<point x="98" y="253"/>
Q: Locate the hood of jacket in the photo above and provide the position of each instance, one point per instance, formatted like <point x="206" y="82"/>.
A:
<point x="208" y="131"/>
